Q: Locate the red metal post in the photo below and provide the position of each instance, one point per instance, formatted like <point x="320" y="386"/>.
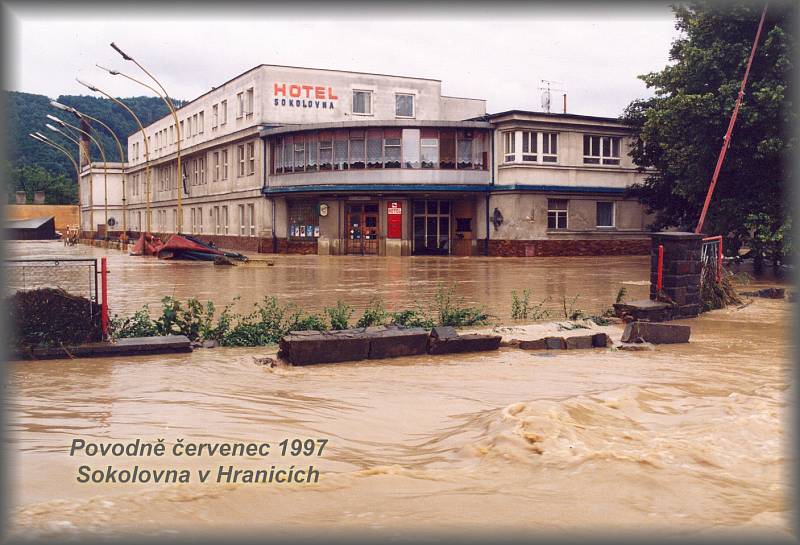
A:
<point x="660" y="267"/>
<point x="104" y="296"/>
<point x="719" y="261"/>
<point x="726" y="140"/>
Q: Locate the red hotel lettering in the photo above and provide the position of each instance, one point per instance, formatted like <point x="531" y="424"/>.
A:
<point x="295" y="90"/>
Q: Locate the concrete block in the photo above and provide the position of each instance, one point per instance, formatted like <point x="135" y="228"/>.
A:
<point x="463" y="343"/>
<point x="393" y="343"/>
<point x="579" y="342"/>
<point x="555" y="343"/>
<point x="600" y="340"/>
<point x="324" y="347"/>
<point x="538" y="344"/>
<point x="444" y="332"/>
<point x="656" y="333"/>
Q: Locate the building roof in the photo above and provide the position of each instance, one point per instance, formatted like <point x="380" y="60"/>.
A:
<point x="187" y="103"/>
<point x="32" y="223"/>
<point x="554" y="116"/>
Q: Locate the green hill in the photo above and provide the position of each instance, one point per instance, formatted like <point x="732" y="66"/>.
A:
<point x="33" y="165"/>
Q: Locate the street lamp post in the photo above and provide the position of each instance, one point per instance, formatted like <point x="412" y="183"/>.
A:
<point x="88" y="154"/>
<point x="171" y="107"/>
<point x="44" y="140"/>
<point x="64" y="124"/>
<point x="80" y="115"/>
<point x="144" y="138"/>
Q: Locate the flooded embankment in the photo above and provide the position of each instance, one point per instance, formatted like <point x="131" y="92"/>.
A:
<point x="682" y="439"/>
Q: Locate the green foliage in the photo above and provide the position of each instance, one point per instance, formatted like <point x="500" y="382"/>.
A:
<point x="415" y="317"/>
<point x="138" y="325"/>
<point x="339" y="315"/>
<point x="59" y="189"/>
<point x="621" y="295"/>
<point x="680" y="129"/>
<point x="522" y="309"/>
<point x="26" y="114"/>
<point x="570" y="312"/>
<point x="451" y="311"/>
<point x="374" y="314"/>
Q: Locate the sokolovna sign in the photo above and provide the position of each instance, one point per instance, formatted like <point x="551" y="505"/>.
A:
<point x="303" y="96"/>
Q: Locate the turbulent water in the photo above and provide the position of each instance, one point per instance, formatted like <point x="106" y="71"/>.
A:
<point x="684" y="439"/>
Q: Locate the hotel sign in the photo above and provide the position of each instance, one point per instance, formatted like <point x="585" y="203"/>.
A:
<point x="296" y="95"/>
<point x="394" y="217"/>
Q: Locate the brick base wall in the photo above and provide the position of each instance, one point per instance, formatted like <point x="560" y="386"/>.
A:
<point x="554" y="248"/>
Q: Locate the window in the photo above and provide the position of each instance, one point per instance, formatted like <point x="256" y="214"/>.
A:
<point x="200" y="220"/>
<point x="410" y="146"/>
<point x="240" y="160"/>
<point x="216" y="167"/>
<point x="224" y="220"/>
<point x="357" y="149"/>
<point x="557" y="213"/>
<point x="183" y="134"/>
<point x="429" y="148"/>
<point x="311" y="152"/>
<point x="196" y="172"/>
<point x="175" y="220"/>
<point x="224" y="164"/>
<point x="605" y="214"/>
<point x="404" y="105"/>
<point x="601" y="150"/>
<point x="391" y="148"/>
<point x="201" y="123"/>
<point x="529" y="146"/>
<point x="251" y="158"/>
<point x="325" y="152"/>
<point x="195" y="127"/>
<point x="251" y="215"/>
<point x="340" y="145"/>
<point x="239" y="105"/>
<point x="509" y="154"/>
<point x="214" y="116"/>
<point x="464" y="149"/>
<point x="223" y="112"/>
<point x="215" y="220"/>
<point x="299" y="154"/>
<point x="362" y="102"/>
<point x="202" y="167"/>
<point x="550" y="147"/>
<point x="303" y="220"/>
<point x="241" y="220"/>
<point x="374" y="148"/>
<point x="171" y="134"/>
<point x="193" y="216"/>
<point x="249" y="102"/>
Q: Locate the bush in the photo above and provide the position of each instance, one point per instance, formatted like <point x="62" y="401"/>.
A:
<point x="451" y="311"/>
<point x="570" y="312"/>
<point x="138" y="325"/>
<point x="412" y="318"/>
<point x="374" y="314"/>
<point x="521" y="308"/>
<point x="339" y="315"/>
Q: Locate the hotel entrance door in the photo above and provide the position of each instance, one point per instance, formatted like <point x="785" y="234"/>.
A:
<point x="362" y="228"/>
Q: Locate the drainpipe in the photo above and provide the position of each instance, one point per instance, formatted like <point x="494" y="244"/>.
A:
<point x="488" y="194"/>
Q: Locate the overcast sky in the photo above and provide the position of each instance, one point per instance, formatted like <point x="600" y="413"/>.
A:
<point x="496" y="52"/>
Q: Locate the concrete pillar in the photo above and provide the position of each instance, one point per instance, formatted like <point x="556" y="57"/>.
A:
<point x="21" y="197"/>
<point x="38" y="197"/>
<point x="681" y="270"/>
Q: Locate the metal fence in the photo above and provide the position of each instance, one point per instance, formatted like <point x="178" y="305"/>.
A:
<point x="711" y="257"/>
<point x="76" y="276"/>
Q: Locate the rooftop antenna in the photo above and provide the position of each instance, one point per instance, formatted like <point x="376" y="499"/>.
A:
<point x="545" y="88"/>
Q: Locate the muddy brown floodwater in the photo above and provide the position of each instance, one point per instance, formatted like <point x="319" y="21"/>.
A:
<point x="685" y="439"/>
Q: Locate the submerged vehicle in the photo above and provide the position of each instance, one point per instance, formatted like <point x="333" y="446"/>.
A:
<point x="189" y="247"/>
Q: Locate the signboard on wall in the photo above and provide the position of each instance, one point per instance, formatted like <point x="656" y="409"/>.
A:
<point x="394" y="222"/>
<point x="304" y="96"/>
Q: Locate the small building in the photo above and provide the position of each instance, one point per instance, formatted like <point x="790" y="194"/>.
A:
<point x="65" y="215"/>
<point x="31" y="229"/>
<point x="315" y="161"/>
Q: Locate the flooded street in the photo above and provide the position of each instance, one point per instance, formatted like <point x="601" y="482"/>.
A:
<point x="684" y="439"/>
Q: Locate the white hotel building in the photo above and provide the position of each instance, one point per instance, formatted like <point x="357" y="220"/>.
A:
<point x="286" y="159"/>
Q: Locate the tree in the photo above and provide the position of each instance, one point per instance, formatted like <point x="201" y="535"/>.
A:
<point x="59" y="189"/>
<point x="679" y="130"/>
